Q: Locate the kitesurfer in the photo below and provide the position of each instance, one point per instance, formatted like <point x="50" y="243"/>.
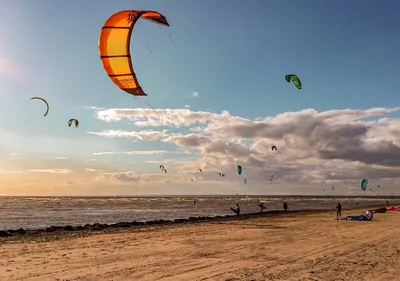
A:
<point x="262" y="207"/>
<point x="285" y="206"/>
<point x="238" y="210"/>
<point x="339" y="211"/>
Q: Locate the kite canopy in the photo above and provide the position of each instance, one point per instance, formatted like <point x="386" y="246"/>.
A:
<point x="295" y="79"/>
<point x="42" y="99"/>
<point x="239" y="170"/>
<point x="114" y="47"/>
<point x="73" y="121"/>
<point x="364" y="184"/>
<point x="380" y="210"/>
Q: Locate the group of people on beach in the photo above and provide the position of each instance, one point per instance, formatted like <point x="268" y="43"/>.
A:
<point x="260" y="205"/>
<point x="285" y="208"/>
<point x="339" y="209"/>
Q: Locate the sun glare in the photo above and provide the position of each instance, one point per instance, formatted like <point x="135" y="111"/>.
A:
<point x="4" y="64"/>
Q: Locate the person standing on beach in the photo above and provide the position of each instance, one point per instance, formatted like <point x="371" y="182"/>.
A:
<point x="285" y="207"/>
<point x="262" y="207"/>
<point x="237" y="211"/>
<point x="339" y="211"/>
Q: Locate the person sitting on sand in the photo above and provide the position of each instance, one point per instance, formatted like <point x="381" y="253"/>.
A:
<point x="339" y="210"/>
<point x="285" y="206"/>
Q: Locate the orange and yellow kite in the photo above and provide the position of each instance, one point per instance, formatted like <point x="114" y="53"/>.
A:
<point x="114" y="47"/>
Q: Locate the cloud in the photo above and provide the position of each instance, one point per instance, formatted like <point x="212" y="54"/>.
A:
<point x="105" y="153"/>
<point x="187" y="105"/>
<point x="139" y="152"/>
<point x="6" y="172"/>
<point x="62" y="158"/>
<point x="313" y="147"/>
<point x="149" y="152"/>
<point x="93" y="170"/>
<point x="53" y="171"/>
<point x="144" y="135"/>
<point x="192" y="94"/>
<point x="144" y="117"/>
<point x="125" y="177"/>
<point x="93" y="107"/>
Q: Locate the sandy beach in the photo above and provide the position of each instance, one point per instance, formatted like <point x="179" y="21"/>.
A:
<point x="308" y="246"/>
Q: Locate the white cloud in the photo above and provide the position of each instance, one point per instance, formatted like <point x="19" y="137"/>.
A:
<point x="141" y="152"/>
<point x="195" y="94"/>
<point x="187" y="105"/>
<point x="6" y="172"/>
<point x="148" y="152"/>
<point x="105" y="153"/>
<point x="93" y="170"/>
<point x="144" y="117"/>
<point x="62" y="158"/>
<point x="143" y="135"/>
<point x="93" y="107"/>
<point x="125" y="176"/>
<point x="335" y="145"/>
<point x="54" y="171"/>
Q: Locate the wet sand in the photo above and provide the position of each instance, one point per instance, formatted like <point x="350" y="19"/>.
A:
<point x="301" y="246"/>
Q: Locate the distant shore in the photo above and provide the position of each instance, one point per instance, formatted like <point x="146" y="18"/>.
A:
<point x="115" y="227"/>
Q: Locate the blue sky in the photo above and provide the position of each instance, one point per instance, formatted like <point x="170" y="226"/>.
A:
<point x="234" y="54"/>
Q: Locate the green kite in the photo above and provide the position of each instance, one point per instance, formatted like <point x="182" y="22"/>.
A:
<point x="295" y="79"/>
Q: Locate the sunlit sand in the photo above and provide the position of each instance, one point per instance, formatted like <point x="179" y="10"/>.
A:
<point x="284" y="247"/>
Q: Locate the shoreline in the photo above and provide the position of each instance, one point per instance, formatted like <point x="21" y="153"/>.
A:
<point x="297" y="245"/>
<point x="119" y="226"/>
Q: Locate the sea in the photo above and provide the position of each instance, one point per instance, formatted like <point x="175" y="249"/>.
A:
<point x="40" y="212"/>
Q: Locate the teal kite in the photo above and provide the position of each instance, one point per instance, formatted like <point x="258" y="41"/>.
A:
<point x="239" y="170"/>
<point x="295" y="79"/>
<point x="364" y="184"/>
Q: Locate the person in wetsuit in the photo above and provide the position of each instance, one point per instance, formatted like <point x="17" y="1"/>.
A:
<point x="237" y="211"/>
<point x="262" y="207"/>
<point x="339" y="211"/>
<point x="285" y="207"/>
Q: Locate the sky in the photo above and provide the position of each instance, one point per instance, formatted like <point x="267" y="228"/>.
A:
<point x="215" y="78"/>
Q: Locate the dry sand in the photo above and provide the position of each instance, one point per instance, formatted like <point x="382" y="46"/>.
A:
<point x="285" y="247"/>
